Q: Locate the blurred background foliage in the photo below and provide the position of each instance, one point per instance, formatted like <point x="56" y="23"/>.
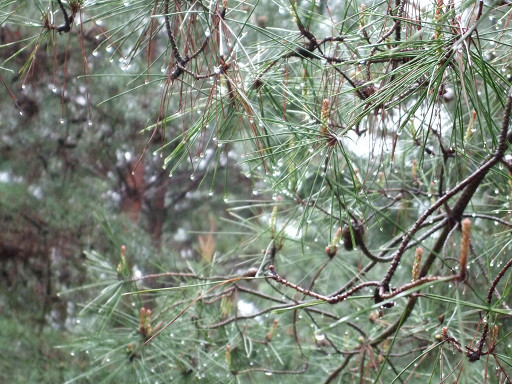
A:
<point x="256" y="153"/>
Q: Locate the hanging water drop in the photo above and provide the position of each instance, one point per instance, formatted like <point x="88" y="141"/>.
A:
<point x="319" y="336"/>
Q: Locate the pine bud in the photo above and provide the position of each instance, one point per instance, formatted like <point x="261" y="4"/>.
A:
<point x="416" y="264"/>
<point x="464" y="247"/>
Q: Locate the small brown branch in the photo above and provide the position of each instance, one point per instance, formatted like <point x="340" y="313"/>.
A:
<point x="170" y="34"/>
<point x="337" y="371"/>
<point x="67" y="19"/>
<point x="329" y="299"/>
<point x="497" y="280"/>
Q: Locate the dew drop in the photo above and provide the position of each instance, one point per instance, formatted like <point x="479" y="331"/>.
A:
<point x="192" y="177"/>
<point x="21" y="113"/>
<point x="90" y="123"/>
<point x="23" y="86"/>
<point x="268" y="373"/>
<point x="62" y="121"/>
<point x="95" y="53"/>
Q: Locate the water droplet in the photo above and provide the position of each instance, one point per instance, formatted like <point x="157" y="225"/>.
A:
<point x="146" y="81"/>
<point x="268" y="373"/>
<point x="90" y="123"/>
<point x="21" y="113"/>
<point x="95" y="53"/>
<point x="109" y="48"/>
<point x="192" y="177"/>
<point x="319" y="336"/>
<point x="62" y="121"/>
<point x="23" y="86"/>
<point x="207" y="33"/>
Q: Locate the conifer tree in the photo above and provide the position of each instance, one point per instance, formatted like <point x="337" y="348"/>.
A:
<point x="361" y="156"/>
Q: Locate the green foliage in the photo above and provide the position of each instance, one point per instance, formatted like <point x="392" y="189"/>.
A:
<point x="324" y="142"/>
